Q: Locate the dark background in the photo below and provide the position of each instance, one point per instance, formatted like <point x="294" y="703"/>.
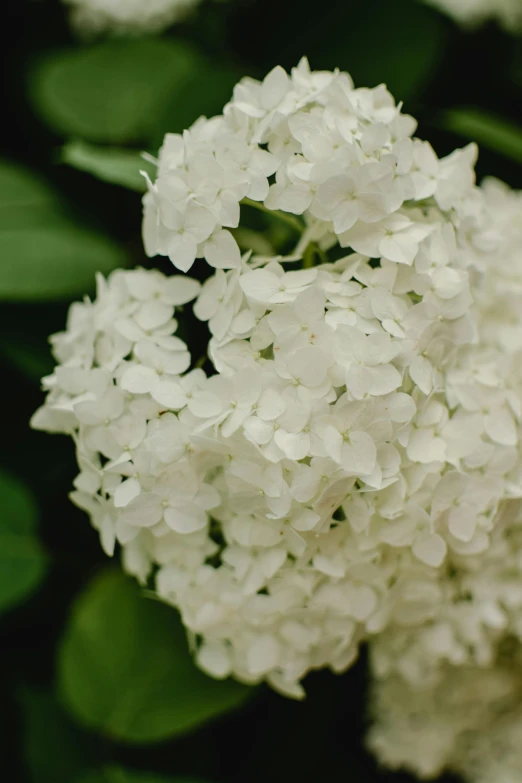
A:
<point x="271" y="739"/>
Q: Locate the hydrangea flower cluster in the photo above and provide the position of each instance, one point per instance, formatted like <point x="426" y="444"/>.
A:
<point x="473" y="12"/>
<point x="470" y="723"/>
<point x="344" y="469"/>
<point x="127" y="16"/>
<point x="452" y="684"/>
<point x="307" y="144"/>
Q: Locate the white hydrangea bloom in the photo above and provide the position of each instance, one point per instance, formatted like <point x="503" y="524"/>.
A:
<point x="360" y="438"/>
<point x="469" y="723"/>
<point x="127" y="16"/>
<point x="443" y="699"/>
<point x="462" y="618"/>
<point x="473" y="12"/>
<point x="309" y="144"/>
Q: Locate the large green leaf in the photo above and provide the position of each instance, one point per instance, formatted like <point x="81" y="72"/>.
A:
<point x="111" y="164"/>
<point x="111" y="91"/>
<point x="205" y="92"/>
<point x="53" y="262"/>
<point x="25" y="200"/>
<point x="401" y="48"/>
<point x="54" y="749"/>
<point x="19" y="187"/>
<point x="125" y="669"/>
<point x="22" y="559"/>
<point x="396" y="42"/>
<point x="119" y="775"/>
<point x="44" y="254"/>
<point x="495" y="133"/>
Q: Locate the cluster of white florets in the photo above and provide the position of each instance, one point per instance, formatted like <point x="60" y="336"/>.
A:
<point x="447" y="689"/>
<point x="473" y="12"/>
<point x="469" y="723"/>
<point x="307" y="144"/>
<point x="359" y="439"/>
<point x="127" y="16"/>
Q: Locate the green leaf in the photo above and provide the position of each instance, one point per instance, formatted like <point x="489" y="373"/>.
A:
<point x="25" y="200"/>
<point x="399" y="43"/>
<point x="22" y="559"/>
<point x="54" y="750"/>
<point x="19" y="187"/>
<point x="109" y="92"/>
<point x="54" y="262"/>
<point x="119" y="775"/>
<point x="43" y="253"/>
<point x="205" y="92"/>
<point x="110" y="164"/>
<point x="403" y="54"/>
<point x="33" y="360"/>
<point x="125" y="669"/>
<point x="495" y="133"/>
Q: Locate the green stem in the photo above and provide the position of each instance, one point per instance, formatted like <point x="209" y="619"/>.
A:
<point x="290" y="220"/>
<point x="308" y="256"/>
<point x="312" y="250"/>
<point x="322" y="255"/>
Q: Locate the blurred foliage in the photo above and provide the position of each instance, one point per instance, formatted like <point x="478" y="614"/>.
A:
<point x="29" y="356"/>
<point x="125" y="669"/>
<point x="488" y="130"/>
<point x="111" y="91"/>
<point x="55" y="751"/>
<point x="22" y="559"/>
<point x="44" y="253"/>
<point x="399" y="43"/>
<point x="117" y="166"/>
<point x="99" y="680"/>
<point x="119" y="775"/>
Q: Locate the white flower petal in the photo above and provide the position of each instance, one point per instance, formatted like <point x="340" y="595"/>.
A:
<point x="126" y="492"/>
<point x="222" y="251"/>
<point x="139" y="379"/>
<point x="430" y="549"/>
